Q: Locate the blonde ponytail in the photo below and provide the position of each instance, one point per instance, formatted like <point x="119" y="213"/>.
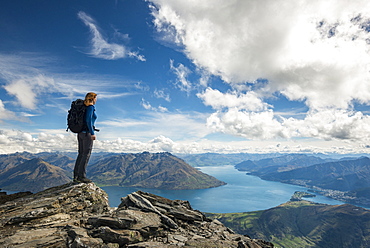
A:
<point x="89" y="98"/>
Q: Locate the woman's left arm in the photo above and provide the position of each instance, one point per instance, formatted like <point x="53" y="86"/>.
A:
<point x="89" y="119"/>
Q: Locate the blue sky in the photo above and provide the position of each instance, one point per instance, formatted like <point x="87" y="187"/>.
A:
<point x="187" y="76"/>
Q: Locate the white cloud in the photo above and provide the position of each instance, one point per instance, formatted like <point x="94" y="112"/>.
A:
<point x="218" y="100"/>
<point x="57" y="140"/>
<point x="34" y="80"/>
<point x="148" y="106"/>
<point x="24" y="79"/>
<point x="245" y="40"/>
<point x="182" y="72"/>
<point x="332" y="124"/>
<point x="27" y="90"/>
<point x="162" y="143"/>
<point x="101" y="48"/>
<point x="3" y="139"/>
<point x="26" y="137"/>
<point x="8" y="115"/>
<point x="312" y="51"/>
<point x="142" y="86"/>
<point x="326" y="124"/>
<point x="149" y="124"/>
<point x="162" y="94"/>
<point x="251" y="125"/>
<point x="18" y="141"/>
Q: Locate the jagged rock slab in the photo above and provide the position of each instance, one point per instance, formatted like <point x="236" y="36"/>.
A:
<point x="77" y="215"/>
<point x="42" y="219"/>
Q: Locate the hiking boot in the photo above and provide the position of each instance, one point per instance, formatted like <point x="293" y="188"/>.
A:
<point x="84" y="180"/>
<point x="76" y="180"/>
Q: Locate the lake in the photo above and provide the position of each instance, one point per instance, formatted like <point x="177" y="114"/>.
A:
<point x="243" y="193"/>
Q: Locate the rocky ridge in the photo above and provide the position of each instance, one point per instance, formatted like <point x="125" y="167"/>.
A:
<point x="78" y="215"/>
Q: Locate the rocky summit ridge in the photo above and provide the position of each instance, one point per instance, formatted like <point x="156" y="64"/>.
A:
<point x="78" y="215"/>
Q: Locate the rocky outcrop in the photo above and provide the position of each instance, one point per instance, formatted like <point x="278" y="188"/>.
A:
<point x="78" y="215"/>
<point x="45" y="219"/>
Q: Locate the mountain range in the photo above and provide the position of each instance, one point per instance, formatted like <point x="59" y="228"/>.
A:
<point x="148" y="170"/>
<point x="35" y="172"/>
<point x="279" y="164"/>
<point x="220" y="159"/>
<point x="343" y="175"/>
<point x="32" y="175"/>
<point x="346" y="179"/>
<point x="292" y="224"/>
<point x="349" y="176"/>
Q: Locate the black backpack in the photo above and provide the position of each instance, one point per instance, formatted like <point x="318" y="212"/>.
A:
<point x="75" y="118"/>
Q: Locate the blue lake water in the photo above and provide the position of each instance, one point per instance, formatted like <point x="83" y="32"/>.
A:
<point x="243" y="193"/>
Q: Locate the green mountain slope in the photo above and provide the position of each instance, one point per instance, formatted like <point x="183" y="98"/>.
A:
<point x="304" y="224"/>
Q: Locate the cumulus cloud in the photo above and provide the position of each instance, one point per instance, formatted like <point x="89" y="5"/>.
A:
<point x="218" y="100"/>
<point x="163" y="143"/>
<point x="315" y="52"/>
<point x="54" y="140"/>
<point x="250" y="125"/>
<point x="332" y="124"/>
<point x="19" y="141"/>
<point x="101" y="48"/>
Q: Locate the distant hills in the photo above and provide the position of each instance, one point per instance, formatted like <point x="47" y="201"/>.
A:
<point x="304" y="224"/>
<point x="341" y="175"/>
<point x="293" y="224"/>
<point x="279" y="164"/>
<point x="345" y="179"/>
<point x="32" y="175"/>
<point x="35" y="172"/>
<point x="220" y="159"/>
<point x="148" y="170"/>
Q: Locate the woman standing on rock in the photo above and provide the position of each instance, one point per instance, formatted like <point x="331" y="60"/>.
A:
<point x="86" y="139"/>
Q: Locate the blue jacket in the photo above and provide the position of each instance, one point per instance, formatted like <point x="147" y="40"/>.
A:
<point x="90" y="118"/>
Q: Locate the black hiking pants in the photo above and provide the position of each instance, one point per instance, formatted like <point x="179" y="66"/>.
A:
<point x="85" y="144"/>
